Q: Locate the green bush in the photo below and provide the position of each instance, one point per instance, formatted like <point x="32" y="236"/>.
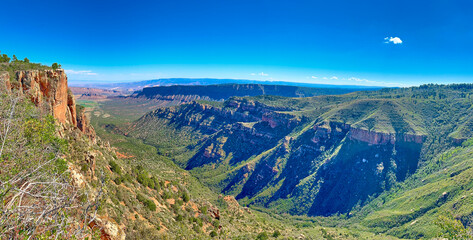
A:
<point x="213" y="234"/>
<point x="276" y="234"/>
<point x="144" y="179"/>
<point x="196" y="228"/>
<point x="114" y="167"/>
<point x="54" y="66"/>
<point x="262" y="236"/>
<point x="185" y="197"/>
<point x="166" y="195"/>
<point x="147" y="202"/>
<point x="4" y="58"/>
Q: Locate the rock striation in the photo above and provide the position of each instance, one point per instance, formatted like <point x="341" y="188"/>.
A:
<point x="49" y="91"/>
<point x="365" y="135"/>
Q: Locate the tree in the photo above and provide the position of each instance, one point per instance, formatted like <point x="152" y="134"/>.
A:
<point x="185" y="197"/>
<point x="4" y="58"/>
<point x="262" y="236"/>
<point x="14" y="58"/>
<point x="26" y="60"/>
<point x="213" y="234"/>
<point x="56" y="66"/>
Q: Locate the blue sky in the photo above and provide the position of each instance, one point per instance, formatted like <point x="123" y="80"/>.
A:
<point x="333" y="42"/>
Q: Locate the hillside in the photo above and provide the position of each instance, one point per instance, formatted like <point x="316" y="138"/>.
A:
<point x="321" y="155"/>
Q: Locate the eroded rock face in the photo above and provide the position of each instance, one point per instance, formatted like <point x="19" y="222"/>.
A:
<point x="5" y="81"/>
<point x="364" y="135"/>
<point x="379" y="138"/>
<point x="275" y="119"/>
<point x="48" y="89"/>
<point x="85" y="127"/>
<point x="109" y="229"/>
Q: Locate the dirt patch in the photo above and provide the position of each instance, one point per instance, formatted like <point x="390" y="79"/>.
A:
<point x="127" y="188"/>
<point x="163" y="228"/>
<point x="109" y="169"/>
<point x="171" y="201"/>
<point x="158" y="204"/>
<point x="122" y="155"/>
<point x="193" y="206"/>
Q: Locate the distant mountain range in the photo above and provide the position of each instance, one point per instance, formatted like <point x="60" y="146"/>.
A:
<point x="135" y="86"/>
<point x="221" y="92"/>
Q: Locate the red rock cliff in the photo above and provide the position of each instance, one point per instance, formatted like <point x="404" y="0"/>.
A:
<point x="48" y="90"/>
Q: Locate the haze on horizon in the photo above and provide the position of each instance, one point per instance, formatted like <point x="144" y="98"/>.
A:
<point x="375" y="43"/>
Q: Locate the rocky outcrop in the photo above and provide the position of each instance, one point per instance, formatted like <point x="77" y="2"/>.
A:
<point x="48" y="90"/>
<point x="364" y="135"/>
<point x="275" y="119"/>
<point x="380" y="138"/>
<point x="108" y="227"/>
<point x="84" y="125"/>
<point x="5" y="81"/>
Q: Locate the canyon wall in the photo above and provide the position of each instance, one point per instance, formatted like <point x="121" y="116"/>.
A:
<point x="49" y="91"/>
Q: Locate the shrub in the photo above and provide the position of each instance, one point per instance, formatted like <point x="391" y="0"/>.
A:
<point x="114" y="167"/>
<point x="276" y="234"/>
<point x="54" y="66"/>
<point x="185" y="197"/>
<point x="213" y="234"/>
<point x="147" y="202"/>
<point x="167" y="195"/>
<point x="4" y="58"/>
<point x="262" y="236"/>
<point x="157" y="185"/>
<point x="151" y="183"/>
<point x="143" y="178"/>
<point x="198" y="221"/>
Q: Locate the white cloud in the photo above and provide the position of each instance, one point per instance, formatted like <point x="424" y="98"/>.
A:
<point x="263" y="74"/>
<point x="361" y="80"/>
<point x="83" y="72"/>
<point x="314" y="77"/>
<point x="393" y="40"/>
<point x="324" y="78"/>
<point x="260" y="74"/>
<point x="334" y="78"/>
